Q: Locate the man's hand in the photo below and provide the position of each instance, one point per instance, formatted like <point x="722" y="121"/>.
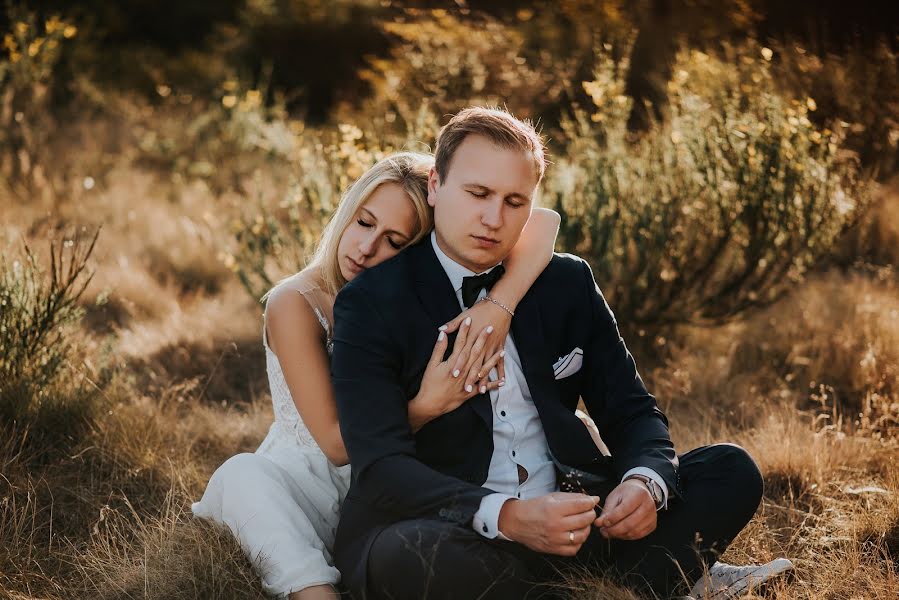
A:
<point x="557" y="523"/>
<point x="629" y="512"/>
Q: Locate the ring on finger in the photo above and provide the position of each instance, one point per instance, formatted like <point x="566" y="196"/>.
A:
<point x="571" y="536"/>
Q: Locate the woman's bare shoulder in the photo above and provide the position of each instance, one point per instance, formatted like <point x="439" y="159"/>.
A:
<point x="294" y="305"/>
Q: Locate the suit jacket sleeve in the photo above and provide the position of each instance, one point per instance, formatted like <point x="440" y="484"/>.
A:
<point x="373" y="413"/>
<point x="628" y="418"/>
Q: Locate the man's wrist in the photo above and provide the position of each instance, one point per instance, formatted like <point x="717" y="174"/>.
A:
<point x="652" y="488"/>
<point x="654" y="475"/>
<point x="507" y="518"/>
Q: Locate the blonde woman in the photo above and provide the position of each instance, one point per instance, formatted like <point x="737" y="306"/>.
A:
<point x="283" y="501"/>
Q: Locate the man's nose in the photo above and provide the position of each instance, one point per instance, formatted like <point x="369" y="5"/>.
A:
<point x="492" y="216"/>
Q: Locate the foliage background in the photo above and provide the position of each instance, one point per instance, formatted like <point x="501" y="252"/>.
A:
<point x="728" y="168"/>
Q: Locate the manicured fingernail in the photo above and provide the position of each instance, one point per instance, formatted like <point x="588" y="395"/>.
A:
<point x="468" y="320"/>
<point x="456" y="373"/>
<point x="442" y="328"/>
<point x="441" y="336"/>
<point x="483" y="388"/>
<point x="490" y="329"/>
<point x="502" y="382"/>
<point x="468" y="388"/>
<point x="502" y="353"/>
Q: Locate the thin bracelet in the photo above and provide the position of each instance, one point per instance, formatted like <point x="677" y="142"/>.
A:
<point x="500" y="304"/>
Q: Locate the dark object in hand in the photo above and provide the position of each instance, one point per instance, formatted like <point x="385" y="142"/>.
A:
<point x="577" y="481"/>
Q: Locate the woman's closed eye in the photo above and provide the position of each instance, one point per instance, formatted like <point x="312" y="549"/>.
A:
<point x="478" y="194"/>
<point x="394" y="245"/>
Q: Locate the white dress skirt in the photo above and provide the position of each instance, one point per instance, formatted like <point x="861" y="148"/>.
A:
<point x="282" y="502"/>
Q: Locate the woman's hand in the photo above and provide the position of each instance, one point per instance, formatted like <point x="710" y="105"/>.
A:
<point x="445" y="386"/>
<point x="483" y="315"/>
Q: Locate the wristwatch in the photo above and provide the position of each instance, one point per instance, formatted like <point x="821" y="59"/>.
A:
<point x="655" y="490"/>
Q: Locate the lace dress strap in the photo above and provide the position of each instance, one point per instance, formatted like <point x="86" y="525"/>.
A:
<point x="313" y="297"/>
<point x="317" y="299"/>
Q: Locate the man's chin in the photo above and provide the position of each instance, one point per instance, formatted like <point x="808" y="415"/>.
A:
<point x="485" y="259"/>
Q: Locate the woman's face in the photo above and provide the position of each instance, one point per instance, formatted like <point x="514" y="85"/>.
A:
<point x="380" y="228"/>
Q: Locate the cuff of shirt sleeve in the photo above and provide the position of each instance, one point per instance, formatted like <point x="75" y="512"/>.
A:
<point x="647" y="472"/>
<point x="486" y="520"/>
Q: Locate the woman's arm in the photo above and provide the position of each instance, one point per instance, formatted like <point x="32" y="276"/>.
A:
<point x="528" y="258"/>
<point x="296" y="338"/>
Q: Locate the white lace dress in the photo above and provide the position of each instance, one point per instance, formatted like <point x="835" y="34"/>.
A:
<point x="282" y="502"/>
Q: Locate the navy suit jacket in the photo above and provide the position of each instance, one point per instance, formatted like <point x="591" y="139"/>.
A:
<point x="386" y="323"/>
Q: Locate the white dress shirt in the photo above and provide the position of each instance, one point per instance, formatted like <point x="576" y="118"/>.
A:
<point x="518" y="438"/>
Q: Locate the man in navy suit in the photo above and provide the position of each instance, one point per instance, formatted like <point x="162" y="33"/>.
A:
<point x="469" y="506"/>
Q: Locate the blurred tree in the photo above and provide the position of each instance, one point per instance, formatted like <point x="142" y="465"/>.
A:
<point x="171" y="25"/>
<point x="313" y="48"/>
<point x="721" y="209"/>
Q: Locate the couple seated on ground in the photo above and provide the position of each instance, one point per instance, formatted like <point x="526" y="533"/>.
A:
<point x="425" y="371"/>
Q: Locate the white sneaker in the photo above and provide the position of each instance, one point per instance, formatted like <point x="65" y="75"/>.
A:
<point x="725" y="581"/>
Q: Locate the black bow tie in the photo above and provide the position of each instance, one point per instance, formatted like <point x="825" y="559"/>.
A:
<point x="472" y="286"/>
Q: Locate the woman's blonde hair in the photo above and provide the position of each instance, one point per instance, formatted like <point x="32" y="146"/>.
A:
<point x="407" y="169"/>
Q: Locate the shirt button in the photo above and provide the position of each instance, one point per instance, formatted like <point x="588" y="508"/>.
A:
<point x="513" y="452"/>
<point x="503" y="413"/>
<point x="485" y="528"/>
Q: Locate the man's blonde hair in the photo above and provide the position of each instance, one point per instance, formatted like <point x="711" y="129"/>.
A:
<point x="407" y="169"/>
<point x="497" y="125"/>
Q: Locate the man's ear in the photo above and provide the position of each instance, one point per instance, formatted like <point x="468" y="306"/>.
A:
<point x="433" y="182"/>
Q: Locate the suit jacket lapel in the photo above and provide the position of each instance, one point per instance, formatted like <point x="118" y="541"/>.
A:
<point x="432" y="285"/>
<point x="439" y="300"/>
<point x="527" y="331"/>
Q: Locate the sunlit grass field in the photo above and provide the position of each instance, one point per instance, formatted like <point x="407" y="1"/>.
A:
<point x="745" y="244"/>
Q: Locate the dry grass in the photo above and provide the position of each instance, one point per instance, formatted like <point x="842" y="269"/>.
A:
<point x="109" y="516"/>
<point x="171" y="555"/>
<point x="831" y="504"/>
<point x="830" y="348"/>
<point x="94" y="499"/>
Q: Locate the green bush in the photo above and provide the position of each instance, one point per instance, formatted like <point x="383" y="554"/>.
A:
<point x="717" y="211"/>
<point x="38" y="314"/>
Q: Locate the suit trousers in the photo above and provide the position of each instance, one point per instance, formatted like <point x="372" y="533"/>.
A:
<point x="721" y="489"/>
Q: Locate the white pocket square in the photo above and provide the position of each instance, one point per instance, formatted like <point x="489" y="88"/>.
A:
<point x="568" y="365"/>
